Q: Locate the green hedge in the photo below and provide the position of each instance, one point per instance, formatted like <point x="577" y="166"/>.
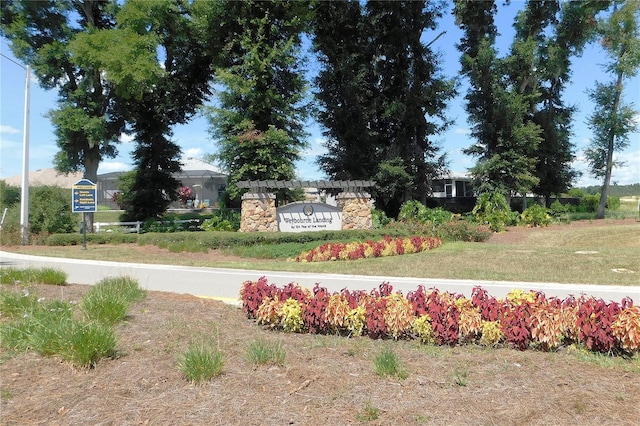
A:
<point x="215" y="240"/>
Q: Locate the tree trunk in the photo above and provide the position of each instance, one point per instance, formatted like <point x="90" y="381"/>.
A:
<point x="610" y="147"/>
<point x="91" y="163"/>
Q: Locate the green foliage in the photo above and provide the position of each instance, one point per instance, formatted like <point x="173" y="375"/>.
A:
<point x="536" y="215"/>
<point x="577" y="192"/>
<point x="613" y="203"/>
<point x="50" y="211"/>
<point x="87" y="122"/>
<point x="259" y="123"/>
<point x="264" y="352"/>
<point x="492" y="209"/>
<point x="369" y="413"/>
<point x="612" y="120"/>
<point x="382" y="120"/>
<point x="387" y="364"/>
<point x="223" y="220"/>
<point x="49" y="328"/>
<point x="590" y="203"/>
<point x="416" y="211"/>
<point x="109" y="300"/>
<point x="379" y="219"/>
<point x="29" y="276"/>
<point x="88" y="343"/>
<point x="201" y="362"/>
<point x="9" y="195"/>
<point x="393" y="181"/>
<point x="102" y="238"/>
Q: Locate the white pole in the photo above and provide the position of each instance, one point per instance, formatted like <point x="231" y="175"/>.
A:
<point x="24" y="197"/>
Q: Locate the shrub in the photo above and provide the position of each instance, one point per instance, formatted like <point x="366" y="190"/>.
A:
<point x="492" y="209"/>
<point x="461" y="230"/>
<point x="535" y="216"/>
<point x="9" y="195"/>
<point x="398" y="315"/>
<point x="201" y="362"/>
<point x="50" y="211"/>
<point x="613" y="203"/>
<point x="415" y="211"/>
<point x="590" y="203"/>
<point x="523" y="319"/>
<point x="379" y="219"/>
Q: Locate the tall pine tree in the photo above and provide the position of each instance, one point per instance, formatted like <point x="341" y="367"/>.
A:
<point x="259" y="122"/>
<point x="390" y="89"/>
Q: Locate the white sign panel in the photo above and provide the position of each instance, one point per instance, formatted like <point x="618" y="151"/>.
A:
<point x="304" y="216"/>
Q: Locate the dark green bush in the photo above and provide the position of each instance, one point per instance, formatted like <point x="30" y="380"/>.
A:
<point x="50" y="211"/>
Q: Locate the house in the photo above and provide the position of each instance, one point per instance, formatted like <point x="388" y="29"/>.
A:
<point x="206" y="181"/>
<point x="454" y="192"/>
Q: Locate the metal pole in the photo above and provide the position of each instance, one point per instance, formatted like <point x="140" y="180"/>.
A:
<point x="24" y="196"/>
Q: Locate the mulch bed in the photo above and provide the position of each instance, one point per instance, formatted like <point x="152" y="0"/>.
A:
<point x="324" y="380"/>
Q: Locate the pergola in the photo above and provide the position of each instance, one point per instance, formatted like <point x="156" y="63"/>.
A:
<point x="345" y="185"/>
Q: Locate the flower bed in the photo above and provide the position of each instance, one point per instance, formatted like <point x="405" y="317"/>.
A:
<point x="362" y="250"/>
<point x="522" y="320"/>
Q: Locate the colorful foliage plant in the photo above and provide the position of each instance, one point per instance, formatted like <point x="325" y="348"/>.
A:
<point x="363" y="250"/>
<point x="522" y="320"/>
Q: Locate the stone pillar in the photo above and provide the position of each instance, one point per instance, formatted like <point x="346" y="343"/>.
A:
<point x="356" y="210"/>
<point x="258" y="213"/>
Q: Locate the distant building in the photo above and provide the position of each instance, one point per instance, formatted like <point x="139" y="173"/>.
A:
<point x="454" y="192"/>
<point x="206" y="181"/>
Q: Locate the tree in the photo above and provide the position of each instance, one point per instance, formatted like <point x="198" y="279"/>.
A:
<point x="612" y="120"/>
<point x="41" y="33"/>
<point x="382" y="95"/>
<point x="548" y="35"/>
<point x="345" y="90"/>
<point x="505" y="139"/>
<point x="158" y="57"/>
<point x="258" y="124"/>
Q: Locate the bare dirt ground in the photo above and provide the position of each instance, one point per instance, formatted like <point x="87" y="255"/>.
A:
<point x="325" y="380"/>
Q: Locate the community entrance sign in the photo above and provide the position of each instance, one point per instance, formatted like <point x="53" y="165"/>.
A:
<point x="259" y="211"/>
<point x="306" y="216"/>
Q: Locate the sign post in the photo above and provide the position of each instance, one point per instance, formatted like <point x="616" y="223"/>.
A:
<point x="83" y="200"/>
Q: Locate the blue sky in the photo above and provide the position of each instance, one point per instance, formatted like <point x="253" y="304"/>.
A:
<point x="194" y="139"/>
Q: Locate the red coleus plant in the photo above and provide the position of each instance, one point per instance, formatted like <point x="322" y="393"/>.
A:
<point x="361" y="250"/>
<point x="524" y="319"/>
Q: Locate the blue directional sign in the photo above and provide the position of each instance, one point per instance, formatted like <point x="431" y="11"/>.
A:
<point x="83" y="197"/>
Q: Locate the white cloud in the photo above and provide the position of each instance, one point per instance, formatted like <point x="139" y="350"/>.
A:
<point x="461" y="131"/>
<point x="9" y="130"/>
<point x="113" y="166"/>
<point x="193" y="153"/>
<point x="124" y="138"/>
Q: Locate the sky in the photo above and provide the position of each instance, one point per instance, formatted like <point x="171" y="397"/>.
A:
<point x="194" y="139"/>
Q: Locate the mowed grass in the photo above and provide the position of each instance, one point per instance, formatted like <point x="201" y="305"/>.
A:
<point x="600" y="254"/>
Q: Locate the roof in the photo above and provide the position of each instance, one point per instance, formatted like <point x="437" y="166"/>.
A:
<point x="191" y="168"/>
<point x="43" y="177"/>
<point x="191" y="164"/>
